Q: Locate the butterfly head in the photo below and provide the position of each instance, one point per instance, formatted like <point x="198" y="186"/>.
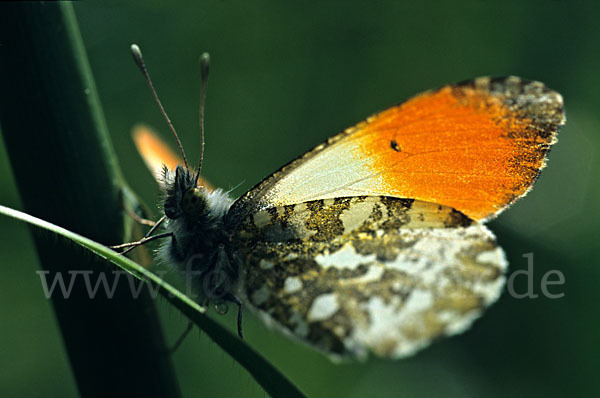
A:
<point x="183" y="197"/>
<point x="189" y="203"/>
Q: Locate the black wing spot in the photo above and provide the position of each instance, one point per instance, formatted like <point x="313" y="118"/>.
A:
<point x="394" y="145"/>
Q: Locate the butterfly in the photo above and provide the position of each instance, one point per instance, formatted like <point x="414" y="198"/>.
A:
<point x="374" y="241"/>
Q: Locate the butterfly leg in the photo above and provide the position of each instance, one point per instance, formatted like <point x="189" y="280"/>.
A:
<point x="147" y="238"/>
<point x="138" y="219"/>
<point x="232" y="298"/>
<point x="132" y="245"/>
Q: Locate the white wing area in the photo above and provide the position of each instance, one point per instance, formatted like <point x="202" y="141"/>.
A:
<point x="339" y="170"/>
<point x="443" y="291"/>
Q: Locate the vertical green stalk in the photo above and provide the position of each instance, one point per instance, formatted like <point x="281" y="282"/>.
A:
<point x="66" y="173"/>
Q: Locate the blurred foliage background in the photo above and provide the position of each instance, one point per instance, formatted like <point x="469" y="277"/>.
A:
<point x="287" y="75"/>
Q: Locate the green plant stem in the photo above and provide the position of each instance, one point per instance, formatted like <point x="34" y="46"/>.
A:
<point x="275" y="383"/>
<point x="66" y="173"/>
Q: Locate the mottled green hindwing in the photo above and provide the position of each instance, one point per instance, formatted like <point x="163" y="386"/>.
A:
<point x="360" y="274"/>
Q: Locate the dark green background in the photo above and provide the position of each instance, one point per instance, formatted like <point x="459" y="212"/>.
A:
<point x="285" y="76"/>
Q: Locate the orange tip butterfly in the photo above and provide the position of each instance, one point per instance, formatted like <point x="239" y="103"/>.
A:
<point x="374" y="240"/>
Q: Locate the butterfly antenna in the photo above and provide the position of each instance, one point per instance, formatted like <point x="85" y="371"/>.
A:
<point x="204" y="65"/>
<point x="139" y="61"/>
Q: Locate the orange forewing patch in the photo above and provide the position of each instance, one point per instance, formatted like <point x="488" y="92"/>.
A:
<point x="460" y="147"/>
<point x="156" y="153"/>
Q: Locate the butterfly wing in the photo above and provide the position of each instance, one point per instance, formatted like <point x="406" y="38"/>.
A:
<point x="157" y="154"/>
<point x="475" y="146"/>
<point x="380" y="274"/>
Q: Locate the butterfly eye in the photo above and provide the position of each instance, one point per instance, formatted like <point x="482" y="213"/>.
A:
<point x="193" y="202"/>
